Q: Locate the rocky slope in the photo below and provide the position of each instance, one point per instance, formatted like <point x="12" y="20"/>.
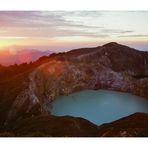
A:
<point x="112" y="66"/>
<point x="135" y="125"/>
<point x="50" y="126"/>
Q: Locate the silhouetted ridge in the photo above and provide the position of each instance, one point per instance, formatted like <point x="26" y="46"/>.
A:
<point x="111" y="44"/>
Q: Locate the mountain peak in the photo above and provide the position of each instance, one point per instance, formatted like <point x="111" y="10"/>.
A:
<point x="110" y="44"/>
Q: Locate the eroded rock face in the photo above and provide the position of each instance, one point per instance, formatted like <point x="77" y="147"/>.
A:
<point x="99" y="69"/>
<point x="112" y="66"/>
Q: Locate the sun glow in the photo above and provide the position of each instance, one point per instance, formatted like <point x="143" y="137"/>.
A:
<point x="4" y="43"/>
<point x="60" y="31"/>
<point x="11" y="43"/>
<point x="7" y="42"/>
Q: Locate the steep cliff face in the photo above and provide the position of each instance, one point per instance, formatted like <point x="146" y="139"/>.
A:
<point x="112" y="66"/>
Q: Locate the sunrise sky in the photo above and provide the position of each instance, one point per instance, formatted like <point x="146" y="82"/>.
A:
<point x="65" y="30"/>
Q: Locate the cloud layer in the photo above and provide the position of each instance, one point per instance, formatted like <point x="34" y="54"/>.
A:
<point x="44" y="27"/>
<point x="56" y="24"/>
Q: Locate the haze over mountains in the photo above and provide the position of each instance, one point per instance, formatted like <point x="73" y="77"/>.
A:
<point x="11" y="57"/>
<point x="19" y="56"/>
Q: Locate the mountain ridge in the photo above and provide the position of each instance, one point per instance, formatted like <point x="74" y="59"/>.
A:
<point x="111" y="66"/>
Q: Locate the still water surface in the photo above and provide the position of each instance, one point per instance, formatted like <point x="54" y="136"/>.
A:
<point x="99" y="106"/>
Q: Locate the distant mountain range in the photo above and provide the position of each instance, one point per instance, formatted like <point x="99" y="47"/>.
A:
<point x="27" y="91"/>
<point x="22" y="56"/>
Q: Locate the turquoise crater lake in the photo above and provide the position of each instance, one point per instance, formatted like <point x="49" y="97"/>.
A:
<point x="99" y="106"/>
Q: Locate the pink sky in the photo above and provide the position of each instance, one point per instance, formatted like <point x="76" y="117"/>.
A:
<point x="65" y="30"/>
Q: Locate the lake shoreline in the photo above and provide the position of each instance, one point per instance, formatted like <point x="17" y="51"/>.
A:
<point x="109" y="98"/>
